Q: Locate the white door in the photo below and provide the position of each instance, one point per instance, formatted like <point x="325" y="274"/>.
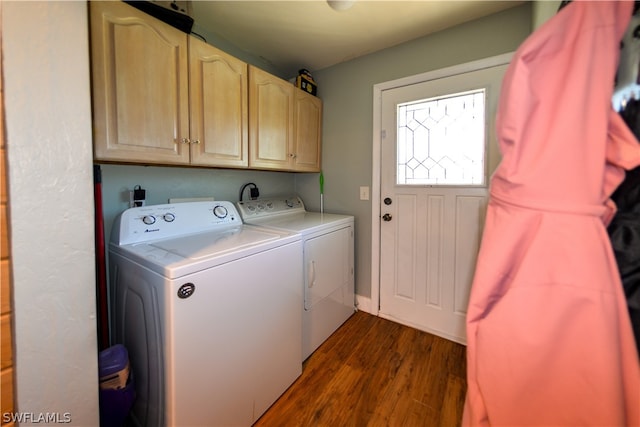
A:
<point x="437" y="153"/>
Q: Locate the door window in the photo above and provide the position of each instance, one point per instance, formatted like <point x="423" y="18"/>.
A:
<point x="441" y="141"/>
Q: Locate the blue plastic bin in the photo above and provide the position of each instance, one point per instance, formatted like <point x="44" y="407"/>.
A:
<point x="117" y="388"/>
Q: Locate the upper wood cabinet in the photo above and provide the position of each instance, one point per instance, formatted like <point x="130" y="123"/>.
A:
<point x="284" y="125"/>
<point x="218" y="99"/>
<point x="163" y="97"/>
<point x="308" y="132"/>
<point x="140" y="86"/>
<point x="270" y="120"/>
<point x="145" y="108"/>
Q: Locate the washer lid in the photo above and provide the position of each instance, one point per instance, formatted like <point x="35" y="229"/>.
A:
<point x="204" y="245"/>
<point x="179" y="256"/>
<point x="302" y="222"/>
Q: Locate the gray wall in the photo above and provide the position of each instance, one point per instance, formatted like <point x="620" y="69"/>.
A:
<point x="347" y="93"/>
<point x="225" y="45"/>
<point x="543" y="10"/>
<point x="163" y="183"/>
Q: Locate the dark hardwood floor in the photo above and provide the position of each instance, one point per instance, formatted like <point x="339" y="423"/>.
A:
<point x="374" y="372"/>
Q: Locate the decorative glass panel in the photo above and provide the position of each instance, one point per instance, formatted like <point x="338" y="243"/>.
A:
<point x="441" y="141"/>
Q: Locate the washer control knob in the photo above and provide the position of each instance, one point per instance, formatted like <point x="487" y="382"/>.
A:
<point x="220" y="211"/>
<point x="169" y="217"/>
<point x="149" y="219"/>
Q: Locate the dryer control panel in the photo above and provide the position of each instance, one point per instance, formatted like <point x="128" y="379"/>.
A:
<point x="269" y="207"/>
<point x="146" y="223"/>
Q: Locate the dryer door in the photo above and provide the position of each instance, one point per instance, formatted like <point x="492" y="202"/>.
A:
<point x="328" y="265"/>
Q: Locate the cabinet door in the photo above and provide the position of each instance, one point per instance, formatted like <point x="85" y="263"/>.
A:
<point x="140" y="86"/>
<point x="271" y="102"/>
<point x="218" y="100"/>
<point x="307" y="140"/>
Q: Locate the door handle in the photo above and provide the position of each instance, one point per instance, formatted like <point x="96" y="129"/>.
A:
<point x="312" y="274"/>
<point x="386" y="217"/>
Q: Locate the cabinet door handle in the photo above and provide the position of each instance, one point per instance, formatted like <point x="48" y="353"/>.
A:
<point x="197" y="141"/>
<point x="185" y="141"/>
<point x="293" y="156"/>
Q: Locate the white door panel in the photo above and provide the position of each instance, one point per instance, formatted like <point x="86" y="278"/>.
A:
<point x="429" y="241"/>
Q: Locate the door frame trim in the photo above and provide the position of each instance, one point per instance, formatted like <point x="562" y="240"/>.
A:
<point x="378" y="88"/>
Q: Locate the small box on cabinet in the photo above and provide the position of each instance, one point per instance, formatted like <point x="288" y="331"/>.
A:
<point x="306" y="85"/>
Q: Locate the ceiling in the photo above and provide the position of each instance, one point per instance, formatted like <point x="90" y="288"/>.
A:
<point x="310" y="34"/>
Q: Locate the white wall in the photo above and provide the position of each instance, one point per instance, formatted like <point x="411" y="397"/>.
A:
<point x="48" y="125"/>
<point x="162" y="183"/>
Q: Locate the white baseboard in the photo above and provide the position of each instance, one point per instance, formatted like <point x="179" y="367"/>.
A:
<point x="364" y="304"/>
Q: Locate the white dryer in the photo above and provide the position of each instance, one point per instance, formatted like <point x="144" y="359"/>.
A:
<point x="328" y="253"/>
<point x="209" y="310"/>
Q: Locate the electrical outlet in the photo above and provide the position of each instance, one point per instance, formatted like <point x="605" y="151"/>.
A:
<point x="364" y="193"/>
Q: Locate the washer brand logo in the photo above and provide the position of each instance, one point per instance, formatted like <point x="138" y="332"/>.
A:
<point x="186" y="290"/>
<point x="151" y="230"/>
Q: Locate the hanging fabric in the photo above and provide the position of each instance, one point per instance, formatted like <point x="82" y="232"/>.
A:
<point x="549" y="337"/>
<point x="624" y="230"/>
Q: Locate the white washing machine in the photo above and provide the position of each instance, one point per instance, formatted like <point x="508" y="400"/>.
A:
<point x="209" y="310"/>
<point x="327" y="241"/>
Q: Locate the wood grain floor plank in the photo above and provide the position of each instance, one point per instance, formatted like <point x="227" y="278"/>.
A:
<point x="453" y="402"/>
<point x="374" y="372"/>
<point x="398" y="402"/>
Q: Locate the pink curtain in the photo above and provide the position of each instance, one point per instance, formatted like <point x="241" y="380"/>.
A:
<point x="549" y="336"/>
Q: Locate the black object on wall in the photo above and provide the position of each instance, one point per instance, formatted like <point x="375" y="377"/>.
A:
<point x="175" y="19"/>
